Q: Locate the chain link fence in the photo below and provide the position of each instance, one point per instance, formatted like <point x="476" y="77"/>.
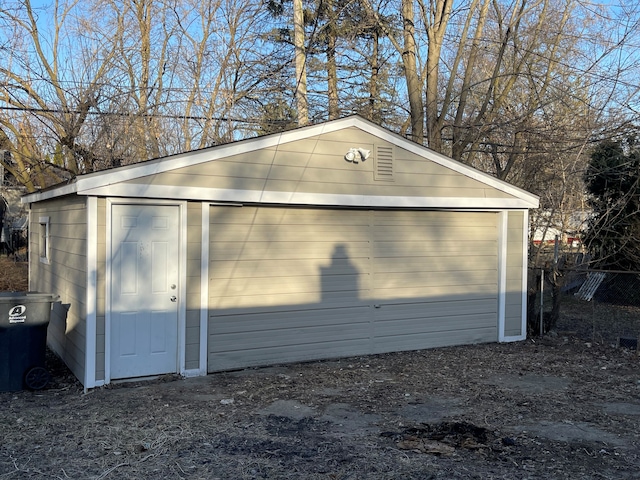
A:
<point x="594" y="305"/>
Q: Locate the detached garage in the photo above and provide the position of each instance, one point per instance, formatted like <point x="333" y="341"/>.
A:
<point x="331" y="240"/>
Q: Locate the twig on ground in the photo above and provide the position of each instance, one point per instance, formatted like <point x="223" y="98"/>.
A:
<point x="107" y="472"/>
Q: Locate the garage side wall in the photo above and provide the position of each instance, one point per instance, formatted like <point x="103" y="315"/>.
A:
<point x="58" y="265"/>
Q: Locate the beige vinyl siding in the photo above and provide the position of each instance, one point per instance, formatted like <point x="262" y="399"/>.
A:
<point x="513" y="300"/>
<point x="194" y="258"/>
<point x="65" y="274"/>
<point x="283" y="282"/>
<point x="317" y="165"/>
<point x="297" y="284"/>
<point x="436" y="279"/>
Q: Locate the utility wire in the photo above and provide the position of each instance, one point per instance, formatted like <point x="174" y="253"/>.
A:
<point x="138" y="115"/>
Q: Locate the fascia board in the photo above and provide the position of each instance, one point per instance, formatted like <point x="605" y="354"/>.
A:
<point x="53" y="193"/>
<point x="175" y="192"/>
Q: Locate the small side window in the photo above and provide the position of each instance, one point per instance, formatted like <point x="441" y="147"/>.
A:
<point x="44" y="239"/>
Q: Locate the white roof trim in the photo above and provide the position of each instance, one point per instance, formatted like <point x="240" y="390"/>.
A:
<point x="99" y="180"/>
<point x="54" y="192"/>
<point x="300" y="198"/>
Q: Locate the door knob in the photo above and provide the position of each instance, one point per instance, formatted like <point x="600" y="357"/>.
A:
<point x="174" y="298"/>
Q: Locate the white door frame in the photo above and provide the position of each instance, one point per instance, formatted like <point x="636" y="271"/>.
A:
<point x="182" y="287"/>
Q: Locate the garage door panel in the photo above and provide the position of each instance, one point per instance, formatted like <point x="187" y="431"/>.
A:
<point x="409" y="234"/>
<point x="251" y="320"/>
<point x="290" y="232"/>
<point x="260" y="286"/>
<point x="391" y="249"/>
<point x="284" y="249"/>
<point x="435" y="264"/>
<point x="303" y="284"/>
<point x="242" y="301"/>
<point x="427" y="322"/>
<point x="442" y="279"/>
<point x="336" y="282"/>
<point x="409" y="327"/>
<point x="287" y="337"/>
<point x="268" y="216"/>
<point x="243" y="358"/>
<point x="444" y="219"/>
<point x="382" y="281"/>
<point x="433" y="295"/>
<point x="227" y="271"/>
<point x="279" y="268"/>
<point x="435" y="339"/>
<point x="435" y="309"/>
<point x="450" y="276"/>
<point x="293" y="300"/>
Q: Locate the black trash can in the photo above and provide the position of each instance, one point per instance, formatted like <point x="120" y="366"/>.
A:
<point x="24" y="318"/>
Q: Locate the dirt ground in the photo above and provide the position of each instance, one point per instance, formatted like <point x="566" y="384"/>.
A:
<point x="552" y="408"/>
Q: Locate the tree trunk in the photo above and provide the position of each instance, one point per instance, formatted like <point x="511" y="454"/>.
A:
<point x="301" y="60"/>
<point x="437" y="22"/>
<point x="414" y="86"/>
<point x="332" y="69"/>
<point x="374" y="88"/>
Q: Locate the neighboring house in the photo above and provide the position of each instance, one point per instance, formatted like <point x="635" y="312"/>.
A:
<point x="331" y="240"/>
<point x="13" y="219"/>
<point x="566" y="227"/>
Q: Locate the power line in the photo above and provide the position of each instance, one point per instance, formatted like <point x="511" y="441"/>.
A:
<point x="138" y="115"/>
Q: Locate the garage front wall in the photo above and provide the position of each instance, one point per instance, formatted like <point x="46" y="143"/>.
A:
<point x="330" y="240"/>
<point x="291" y="284"/>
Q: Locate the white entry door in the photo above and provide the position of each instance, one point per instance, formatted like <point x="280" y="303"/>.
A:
<point x="144" y="290"/>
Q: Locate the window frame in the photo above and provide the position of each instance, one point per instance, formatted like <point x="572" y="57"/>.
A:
<point x="44" y="240"/>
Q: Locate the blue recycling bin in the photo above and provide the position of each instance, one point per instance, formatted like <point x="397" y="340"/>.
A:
<point x="24" y="318"/>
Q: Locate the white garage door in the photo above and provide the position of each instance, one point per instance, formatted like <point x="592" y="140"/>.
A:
<point x="299" y="284"/>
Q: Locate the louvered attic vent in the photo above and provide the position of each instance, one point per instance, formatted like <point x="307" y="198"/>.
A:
<point x="383" y="167"/>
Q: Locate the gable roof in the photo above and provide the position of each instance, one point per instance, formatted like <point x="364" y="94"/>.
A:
<point x="105" y="182"/>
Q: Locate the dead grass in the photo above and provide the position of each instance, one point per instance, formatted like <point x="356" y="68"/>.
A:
<point x="598" y="322"/>
<point x="14" y="276"/>
<point x="553" y="408"/>
<point x="550" y="408"/>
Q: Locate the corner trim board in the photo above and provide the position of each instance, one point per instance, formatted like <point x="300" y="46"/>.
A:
<point x="204" y="289"/>
<point x="92" y="293"/>
<point x="503" y="220"/>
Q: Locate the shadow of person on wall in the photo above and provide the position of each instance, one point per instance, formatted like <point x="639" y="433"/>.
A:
<point x="340" y="279"/>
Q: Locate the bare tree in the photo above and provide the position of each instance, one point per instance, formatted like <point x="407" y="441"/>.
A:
<point x="517" y="89"/>
<point x="301" y="63"/>
<point x="48" y="93"/>
<point x="225" y="68"/>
